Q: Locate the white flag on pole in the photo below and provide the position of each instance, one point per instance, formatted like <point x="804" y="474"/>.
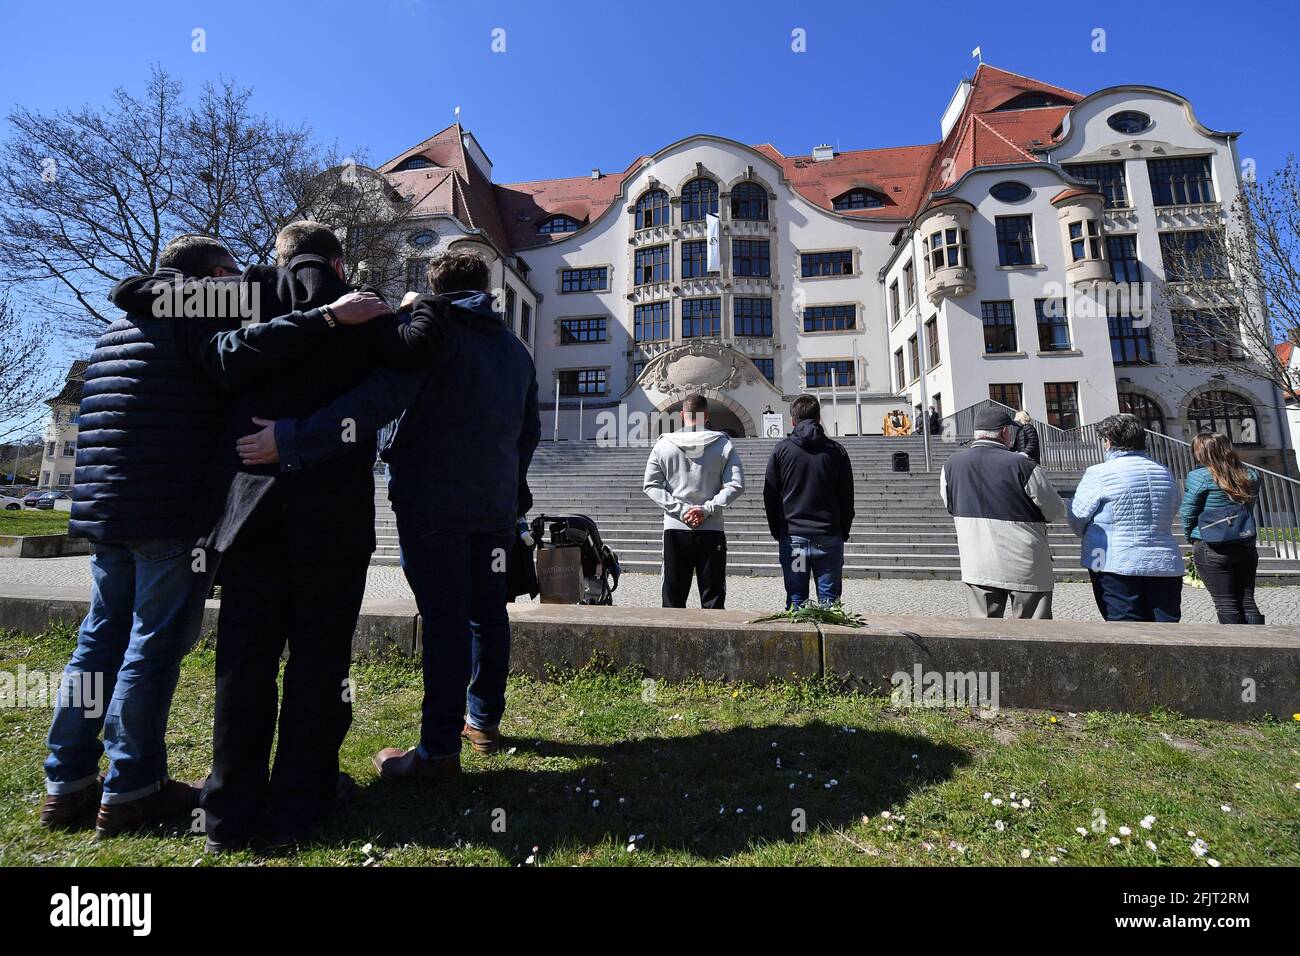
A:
<point x="714" y="263"/>
<point x="976" y="53"/>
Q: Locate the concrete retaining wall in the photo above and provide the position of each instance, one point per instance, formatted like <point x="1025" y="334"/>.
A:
<point x="42" y="546"/>
<point x="1230" y="673"/>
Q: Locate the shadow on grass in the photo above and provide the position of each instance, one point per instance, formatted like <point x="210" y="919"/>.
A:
<point x="709" y="795"/>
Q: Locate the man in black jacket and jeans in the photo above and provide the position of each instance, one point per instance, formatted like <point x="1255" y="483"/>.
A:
<point x="808" y="497"/>
<point x="150" y="419"/>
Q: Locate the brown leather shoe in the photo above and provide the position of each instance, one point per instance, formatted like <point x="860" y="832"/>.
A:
<point x="174" y="798"/>
<point x="395" y="763"/>
<point x="483" y="741"/>
<point x="63" y="811"/>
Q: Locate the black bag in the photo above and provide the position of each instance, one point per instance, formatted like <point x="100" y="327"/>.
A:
<point x="595" y="578"/>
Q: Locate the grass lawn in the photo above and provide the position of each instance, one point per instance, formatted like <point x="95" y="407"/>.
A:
<point x="31" y="521"/>
<point x="708" y="773"/>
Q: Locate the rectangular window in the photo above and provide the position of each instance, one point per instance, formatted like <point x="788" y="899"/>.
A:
<point x="1007" y="393"/>
<point x="913" y="357"/>
<point x="818" y="374"/>
<point x="526" y="322"/>
<point x="1191" y="255"/>
<point x="69" y="449"/>
<point x="1062" y="403"/>
<point x="1204" y="336"/>
<point x="1123" y="254"/>
<point x="694" y="259"/>
<point x="1181" y="180"/>
<point x="49" y="450"/>
<point x="652" y="264"/>
<point x="584" y="280"/>
<point x="577" y="331"/>
<point x="909" y="284"/>
<point x="653" y="322"/>
<point x="1015" y="240"/>
<point x="895" y="313"/>
<point x="768" y="367"/>
<point x="582" y="381"/>
<point x="900" y="370"/>
<point x="838" y="263"/>
<point x="637" y="368"/>
<point x="417" y="275"/>
<point x="1130" y="343"/>
<point x="751" y="317"/>
<point x="830" y="318"/>
<point x="751" y="257"/>
<point x="65" y="481"/>
<point x="1053" y="325"/>
<point x="510" y="308"/>
<point x="701" y="318"/>
<point x="1109" y="178"/>
<point x="999" y="327"/>
<point x="947" y="249"/>
<point x="932" y="343"/>
<point x="1085" y="242"/>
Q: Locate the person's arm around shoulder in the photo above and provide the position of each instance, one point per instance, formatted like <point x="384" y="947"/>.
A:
<point x="1194" y="499"/>
<point x="1045" y="495"/>
<point x="733" y="482"/>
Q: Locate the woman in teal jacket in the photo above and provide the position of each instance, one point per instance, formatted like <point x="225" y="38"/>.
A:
<point x="1227" y="568"/>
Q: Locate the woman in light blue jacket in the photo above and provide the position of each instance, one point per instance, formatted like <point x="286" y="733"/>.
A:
<point x="1124" y="510"/>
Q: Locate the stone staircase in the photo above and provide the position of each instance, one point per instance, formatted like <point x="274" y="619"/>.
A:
<point x="901" y="529"/>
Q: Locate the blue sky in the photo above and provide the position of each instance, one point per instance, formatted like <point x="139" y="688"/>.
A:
<point x="585" y="84"/>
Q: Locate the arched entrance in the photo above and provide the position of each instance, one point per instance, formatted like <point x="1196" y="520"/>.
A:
<point x="721" y="418"/>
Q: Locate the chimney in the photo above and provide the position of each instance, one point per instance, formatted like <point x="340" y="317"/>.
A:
<point x="595" y="174"/>
<point x="823" y="152"/>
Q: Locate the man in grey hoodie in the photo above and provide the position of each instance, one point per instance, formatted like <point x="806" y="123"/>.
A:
<point x="693" y="474"/>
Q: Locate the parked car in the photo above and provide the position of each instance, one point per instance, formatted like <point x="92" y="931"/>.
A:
<point x="10" y="503"/>
<point x="46" y="501"/>
<point x="30" y="499"/>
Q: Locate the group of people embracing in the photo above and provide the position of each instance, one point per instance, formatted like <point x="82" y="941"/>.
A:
<point x="213" y="449"/>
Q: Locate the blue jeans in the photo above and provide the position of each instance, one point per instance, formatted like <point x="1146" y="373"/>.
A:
<point x="459" y="582"/>
<point x="146" y="607"/>
<point x="1133" y="597"/>
<point x="802" y="558"/>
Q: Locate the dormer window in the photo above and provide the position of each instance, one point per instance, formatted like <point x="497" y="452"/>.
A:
<point x="558" y="224"/>
<point x="415" y="162"/>
<point x="1032" y="101"/>
<point x="858" y="199"/>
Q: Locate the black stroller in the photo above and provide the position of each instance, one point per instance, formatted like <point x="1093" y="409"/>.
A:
<point x="600" y="569"/>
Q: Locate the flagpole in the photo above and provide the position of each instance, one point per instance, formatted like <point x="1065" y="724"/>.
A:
<point x="857" y="388"/>
<point x="556" y="436"/>
<point x="835" y="399"/>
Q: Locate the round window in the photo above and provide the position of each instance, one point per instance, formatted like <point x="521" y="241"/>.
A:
<point x="1129" y="121"/>
<point x="425" y="238"/>
<point x="1010" y="192"/>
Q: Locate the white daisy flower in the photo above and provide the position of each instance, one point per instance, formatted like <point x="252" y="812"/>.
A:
<point x="1125" y="831"/>
<point x="1200" y="847"/>
<point x="1146" y="821"/>
<point x="1025" y="854"/>
<point x="1212" y="861"/>
<point x="1114" y="841"/>
<point x="1082" y="831"/>
<point x="999" y="825"/>
<point x="1151" y="846"/>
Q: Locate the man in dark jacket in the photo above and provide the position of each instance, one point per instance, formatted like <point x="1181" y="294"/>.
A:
<point x="808" y="497"/>
<point x="149" y="427"/>
<point x="1025" y="437"/>
<point x="457" y="460"/>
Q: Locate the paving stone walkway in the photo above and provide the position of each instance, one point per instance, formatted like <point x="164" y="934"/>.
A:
<point x="1281" y="605"/>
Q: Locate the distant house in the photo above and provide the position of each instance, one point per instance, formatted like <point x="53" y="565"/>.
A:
<point x="58" y="461"/>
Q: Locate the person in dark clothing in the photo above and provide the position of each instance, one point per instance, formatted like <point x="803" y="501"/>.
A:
<point x="935" y="421"/>
<point x="149" y="421"/>
<point x="1220" y="495"/>
<point x="455" y="485"/>
<point x="1025" y="438"/>
<point x="808" y="498"/>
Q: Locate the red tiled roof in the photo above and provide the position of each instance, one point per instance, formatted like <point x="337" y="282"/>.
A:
<point x="1285" y="352"/>
<point x="905" y="176"/>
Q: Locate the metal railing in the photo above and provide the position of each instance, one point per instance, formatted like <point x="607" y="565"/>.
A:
<point x="1277" y="509"/>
